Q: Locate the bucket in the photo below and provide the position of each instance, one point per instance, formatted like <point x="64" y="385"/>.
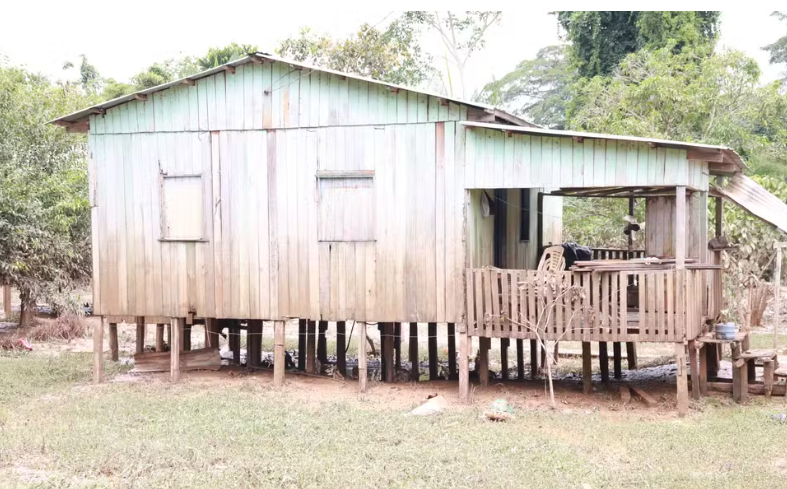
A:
<point x="725" y="331"/>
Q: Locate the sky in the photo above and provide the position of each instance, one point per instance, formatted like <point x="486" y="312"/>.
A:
<point x="124" y="42"/>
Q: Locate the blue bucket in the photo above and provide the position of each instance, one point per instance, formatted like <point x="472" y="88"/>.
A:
<point x="725" y="331"/>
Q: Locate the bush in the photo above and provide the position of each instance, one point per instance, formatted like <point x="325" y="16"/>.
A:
<point x="67" y="326"/>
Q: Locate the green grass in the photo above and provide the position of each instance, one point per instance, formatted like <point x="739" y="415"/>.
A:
<point x="57" y="430"/>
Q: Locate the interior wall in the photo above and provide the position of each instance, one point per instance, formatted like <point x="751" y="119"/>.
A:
<point x="480" y="232"/>
<point x="660" y="226"/>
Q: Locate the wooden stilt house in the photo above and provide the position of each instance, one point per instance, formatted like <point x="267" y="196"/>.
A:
<point x="269" y="190"/>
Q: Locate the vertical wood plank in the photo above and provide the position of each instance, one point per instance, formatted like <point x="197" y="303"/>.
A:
<point x="464" y="366"/>
<point x="278" y="353"/>
<point x="362" y="373"/>
<point x="176" y="327"/>
<point x="98" y="351"/>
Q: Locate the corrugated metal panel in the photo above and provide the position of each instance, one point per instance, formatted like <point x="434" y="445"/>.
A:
<point x="728" y="152"/>
<point x="751" y="196"/>
<point x="258" y="57"/>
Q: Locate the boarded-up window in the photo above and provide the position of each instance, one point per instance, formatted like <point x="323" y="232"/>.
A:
<point x="347" y="207"/>
<point x="181" y="209"/>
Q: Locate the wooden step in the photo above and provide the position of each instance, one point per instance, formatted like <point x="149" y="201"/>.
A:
<point x="748" y="355"/>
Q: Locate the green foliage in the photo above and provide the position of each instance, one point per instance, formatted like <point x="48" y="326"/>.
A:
<point x="538" y="89"/>
<point x="218" y="56"/>
<point x="44" y="211"/>
<point x="778" y="50"/>
<point x="687" y="97"/>
<point x="601" y="39"/>
<point x="599" y="223"/>
<point x="392" y="55"/>
<point x="115" y="89"/>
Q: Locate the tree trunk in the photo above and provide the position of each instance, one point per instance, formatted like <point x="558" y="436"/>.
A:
<point x="27" y="311"/>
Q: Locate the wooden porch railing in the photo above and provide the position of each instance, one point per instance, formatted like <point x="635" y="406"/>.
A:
<point x="616" y="253"/>
<point x="585" y="306"/>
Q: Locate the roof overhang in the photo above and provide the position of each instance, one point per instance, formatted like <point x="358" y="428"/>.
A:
<point x="721" y="159"/>
<point x="752" y="197"/>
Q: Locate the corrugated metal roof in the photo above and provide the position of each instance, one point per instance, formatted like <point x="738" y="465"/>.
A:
<point x="728" y="153"/>
<point x="84" y="113"/>
<point x="749" y="195"/>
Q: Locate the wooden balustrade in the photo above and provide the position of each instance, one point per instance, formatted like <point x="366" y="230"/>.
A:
<point x="660" y="306"/>
<point x="616" y="254"/>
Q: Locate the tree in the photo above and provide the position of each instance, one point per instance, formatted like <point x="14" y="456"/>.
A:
<point x="687" y="97"/>
<point x="462" y="35"/>
<point x="538" y="89"/>
<point x="392" y="55"/>
<point x="44" y="211"/>
<point x="218" y="56"/>
<point x="778" y="50"/>
<point x="601" y="39"/>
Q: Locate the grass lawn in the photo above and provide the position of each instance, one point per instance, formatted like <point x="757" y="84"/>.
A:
<point x="57" y="430"/>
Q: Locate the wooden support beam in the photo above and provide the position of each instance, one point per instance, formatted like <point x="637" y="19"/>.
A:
<point x="754" y="389"/>
<point x="451" y="350"/>
<point x="322" y="342"/>
<point x="433" y="365"/>
<point x="341" y="345"/>
<point x="587" y="368"/>
<point x="504" y="342"/>
<point x="279" y="365"/>
<point x="187" y="337"/>
<point x="682" y="380"/>
<point x="705" y="154"/>
<point x="649" y="400"/>
<point x="363" y="376"/>
<point x="740" y="379"/>
<point x="603" y="360"/>
<point x="160" y="337"/>
<point x="140" y="343"/>
<point x="397" y="331"/>
<point x="254" y="343"/>
<point x="140" y="96"/>
<point x="483" y="360"/>
<point x="694" y="369"/>
<point x="189" y="82"/>
<point x="301" y="340"/>
<point x="751" y="372"/>
<point x="543" y="358"/>
<point x="617" y="360"/>
<point x="311" y="341"/>
<point x="703" y="372"/>
<point x="520" y="359"/>
<point x="533" y="359"/>
<point x="415" y="369"/>
<point x="386" y="335"/>
<point x="680" y="229"/>
<point x="711" y="354"/>
<point x="113" y="342"/>
<point x="98" y="352"/>
<point x="176" y="327"/>
<point x="768" y="367"/>
<point x="229" y="69"/>
<point x="631" y="355"/>
<point x="234" y="334"/>
<point x="464" y="365"/>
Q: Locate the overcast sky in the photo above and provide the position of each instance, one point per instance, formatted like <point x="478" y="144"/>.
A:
<point x="122" y="42"/>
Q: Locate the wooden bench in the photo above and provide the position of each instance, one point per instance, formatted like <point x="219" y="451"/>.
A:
<point x="743" y="370"/>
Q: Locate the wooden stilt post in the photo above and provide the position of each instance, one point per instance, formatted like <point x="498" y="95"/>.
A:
<point x="363" y="376"/>
<point x="777" y="295"/>
<point x="311" y="341"/>
<point x="302" y="344"/>
<point x="98" y="351"/>
<point x="433" y="365"/>
<point x="415" y="368"/>
<point x="235" y="341"/>
<point x="160" y="336"/>
<point x="543" y="358"/>
<point x="322" y="342"/>
<point x="631" y="355"/>
<point x="694" y="370"/>
<point x="464" y="365"/>
<point x="254" y="343"/>
<point x="617" y="360"/>
<point x="533" y="359"/>
<point x="451" y="351"/>
<point x="341" y="347"/>
<point x="504" y="342"/>
<point x="397" y="332"/>
<point x="140" y="344"/>
<point x="712" y="353"/>
<point x="483" y="360"/>
<point x="168" y="335"/>
<point x="751" y="369"/>
<point x="683" y="382"/>
<point x="388" y="351"/>
<point x="113" y="342"/>
<point x="587" y="368"/>
<point x="520" y="360"/>
<point x="278" y="354"/>
<point x="176" y="328"/>
<point x="187" y="337"/>
<point x="703" y="372"/>
<point x="603" y="360"/>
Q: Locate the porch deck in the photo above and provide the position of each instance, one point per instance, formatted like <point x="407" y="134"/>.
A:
<point x="618" y="305"/>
